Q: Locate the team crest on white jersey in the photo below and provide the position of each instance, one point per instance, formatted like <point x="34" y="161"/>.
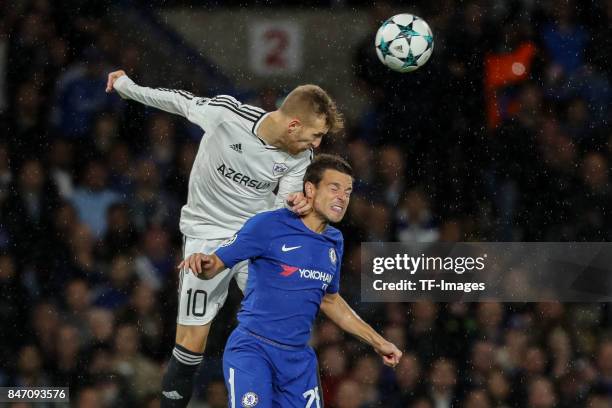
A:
<point x="332" y="256"/>
<point x="228" y="241"/>
<point x="250" y="399"/>
<point x="279" y="168"/>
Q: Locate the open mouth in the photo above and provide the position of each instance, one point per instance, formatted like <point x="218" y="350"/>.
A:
<point x="337" y="209"/>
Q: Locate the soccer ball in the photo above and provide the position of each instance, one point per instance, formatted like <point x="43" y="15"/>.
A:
<point x="404" y="42"/>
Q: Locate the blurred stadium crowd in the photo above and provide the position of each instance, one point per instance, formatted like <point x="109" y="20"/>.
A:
<point x="511" y="141"/>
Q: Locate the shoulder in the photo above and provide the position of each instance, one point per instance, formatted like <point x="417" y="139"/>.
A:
<point x="300" y="161"/>
<point x="232" y="108"/>
<point x="269" y="217"/>
<point x="335" y="235"/>
<point x="305" y="156"/>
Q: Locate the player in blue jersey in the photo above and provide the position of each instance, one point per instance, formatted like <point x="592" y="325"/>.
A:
<point x="294" y="271"/>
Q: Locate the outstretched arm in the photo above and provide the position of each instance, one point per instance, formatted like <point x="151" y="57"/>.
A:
<point x="338" y="311"/>
<point x="169" y="100"/>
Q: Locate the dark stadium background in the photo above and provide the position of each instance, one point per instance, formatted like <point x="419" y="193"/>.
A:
<point x="468" y="148"/>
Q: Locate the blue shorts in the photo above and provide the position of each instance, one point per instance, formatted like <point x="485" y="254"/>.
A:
<point x="263" y="374"/>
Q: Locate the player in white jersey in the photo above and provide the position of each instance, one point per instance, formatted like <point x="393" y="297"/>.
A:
<point x="245" y="154"/>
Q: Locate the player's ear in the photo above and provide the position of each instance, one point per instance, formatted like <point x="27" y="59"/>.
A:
<point x="309" y="189"/>
<point x="294" y="124"/>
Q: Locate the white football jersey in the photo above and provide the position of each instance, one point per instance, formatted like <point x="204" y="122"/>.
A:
<point x="235" y="172"/>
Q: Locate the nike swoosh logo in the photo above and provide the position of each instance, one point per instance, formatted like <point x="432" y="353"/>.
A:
<point x="287" y="249"/>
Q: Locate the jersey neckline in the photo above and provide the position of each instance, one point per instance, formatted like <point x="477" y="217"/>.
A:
<point x="298" y="220"/>
<point x="256" y="128"/>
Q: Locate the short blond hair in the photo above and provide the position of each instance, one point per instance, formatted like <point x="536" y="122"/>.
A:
<point x="312" y="99"/>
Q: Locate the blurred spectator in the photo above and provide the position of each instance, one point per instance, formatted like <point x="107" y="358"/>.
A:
<point x="13" y="306"/>
<point x="499" y="389"/>
<point x="105" y="131"/>
<point x="30" y="371"/>
<point x="482" y="361"/>
<point x="80" y="96"/>
<point x="391" y="175"/>
<point x="89" y="398"/>
<point x="595" y="223"/>
<point x="489" y="319"/>
<point x="564" y="40"/>
<point x="120" y="168"/>
<point x="121" y="236"/>
<point x="45" y="322"/>
<point x="92" y="198"/>
<point x="141" y="374"/>
<point x="30" y="203"/>
<point x="541" y="394"/>
<point x="477" y="398"/>
<point x="101" y="326"/>
<point x="366" y="373"/>
<point x="27" y="132"/>
<point x="422" y="328"/>
<point x="61" y="157"/>
<point x="443" y="384"/>
<point x="161" y="143"/>
<point x="67" y="367"/>
<point x="600" y="46"/>
<point x="121" y="279"/>
<point x="349" y="395"/>
<point x="155" y="262"/>
<point x="422" y="402"/>
<point x="216" y="395"/>
<point x="150" y="205"/>
<point x="408" y="375"/>
<point x="415" y="221"/>
<point x="333" y="370"/>
<point x="78" y="301"/>
<point x="178" y="177"/>
<point x="142" y="311"/>
<point x="82" y="246"/>
<point x="598" y="401"/>
<point x="378" y="227"/>
<point x="604" y="364"/>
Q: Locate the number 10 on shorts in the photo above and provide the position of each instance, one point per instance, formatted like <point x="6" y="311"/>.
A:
<point x="192" y="303"/>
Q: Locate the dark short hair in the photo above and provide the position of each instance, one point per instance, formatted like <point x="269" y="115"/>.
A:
<point x="322" y="162"/>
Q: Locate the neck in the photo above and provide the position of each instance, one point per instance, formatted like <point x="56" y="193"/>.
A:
<point x="270" y="130"/>
<point x="315" y="222"/>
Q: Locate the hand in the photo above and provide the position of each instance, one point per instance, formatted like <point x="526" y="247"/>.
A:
<point x="199" y="264"/>
<point x="390" y="354"/>
<point x="298" y="203"/>
<point x="112" y="77"/>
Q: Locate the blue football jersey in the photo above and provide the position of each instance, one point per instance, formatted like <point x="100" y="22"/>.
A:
<point x="291" y="268"/>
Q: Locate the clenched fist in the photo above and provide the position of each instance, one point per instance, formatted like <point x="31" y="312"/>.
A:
<point x="112" y="77"/>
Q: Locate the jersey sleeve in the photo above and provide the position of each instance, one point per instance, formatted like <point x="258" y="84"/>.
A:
<point x="249" y="242"/>
<point x="334" y="286"/>
<point x="207" y="113"/>
<point x="293" y="181"/>
<point x="173" y="101"/>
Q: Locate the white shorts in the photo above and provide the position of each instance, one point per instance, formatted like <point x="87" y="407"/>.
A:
<point x="199" y="299"/>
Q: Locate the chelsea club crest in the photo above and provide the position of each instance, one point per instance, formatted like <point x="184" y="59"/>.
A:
<point x="250" y="399"/>
<point x="332" y="255"/>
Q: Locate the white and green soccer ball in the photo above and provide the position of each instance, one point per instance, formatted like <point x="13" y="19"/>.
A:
<point x="404" y="42"/>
